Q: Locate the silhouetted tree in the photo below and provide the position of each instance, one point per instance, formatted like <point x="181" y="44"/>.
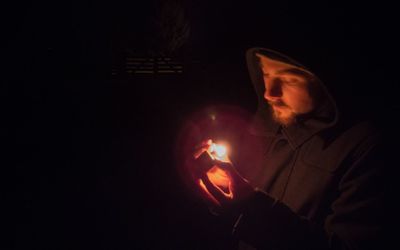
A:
<point x="170" y="28"/>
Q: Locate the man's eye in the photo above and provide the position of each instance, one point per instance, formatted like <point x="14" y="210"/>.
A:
<point x="290" y="82"/>
<point x="285" y="80"/>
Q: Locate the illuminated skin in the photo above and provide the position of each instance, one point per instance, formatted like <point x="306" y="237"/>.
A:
<point x="221" y="184"/>
<point x="287" y="89"/>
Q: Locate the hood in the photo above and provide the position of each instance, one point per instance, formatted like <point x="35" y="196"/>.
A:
<point x="324" y="116"/>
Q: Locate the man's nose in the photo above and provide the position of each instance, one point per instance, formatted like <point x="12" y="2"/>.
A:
<point x="273" y="90"/>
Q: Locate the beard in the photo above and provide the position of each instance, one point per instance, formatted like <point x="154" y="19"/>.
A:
<point x="284" y="115"/>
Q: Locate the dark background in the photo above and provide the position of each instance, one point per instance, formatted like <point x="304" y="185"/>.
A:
<point x="88" y="155"/>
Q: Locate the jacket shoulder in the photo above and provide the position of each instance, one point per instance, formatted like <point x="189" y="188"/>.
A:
<point x="341" y="145"/>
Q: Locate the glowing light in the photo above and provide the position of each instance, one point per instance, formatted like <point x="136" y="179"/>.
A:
<point x="220" y="180"/>
<point x="218" y="151"/>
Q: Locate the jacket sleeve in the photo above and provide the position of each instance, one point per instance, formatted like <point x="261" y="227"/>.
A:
<point x="356" y="220"/>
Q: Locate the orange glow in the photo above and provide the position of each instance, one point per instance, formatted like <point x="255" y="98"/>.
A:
<point x="221" y="180"/>
<point x="218" y="177"/>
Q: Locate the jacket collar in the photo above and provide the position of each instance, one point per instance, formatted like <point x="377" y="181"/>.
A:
<point x="303" y="130"/>
<point x="298" y="133"/>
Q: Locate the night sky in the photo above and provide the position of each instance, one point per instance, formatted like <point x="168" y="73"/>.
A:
<point x="89" y="157"/>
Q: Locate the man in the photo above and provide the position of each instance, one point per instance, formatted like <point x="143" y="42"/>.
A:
<point x="307" y="177"/>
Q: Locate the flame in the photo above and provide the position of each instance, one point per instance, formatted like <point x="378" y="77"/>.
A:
<point x="218" y="151"/>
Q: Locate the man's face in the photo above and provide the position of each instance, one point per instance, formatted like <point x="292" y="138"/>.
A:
<point x="287" y="90"/>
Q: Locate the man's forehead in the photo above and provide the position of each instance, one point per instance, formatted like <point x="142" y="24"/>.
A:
<point x="267" y="64"/>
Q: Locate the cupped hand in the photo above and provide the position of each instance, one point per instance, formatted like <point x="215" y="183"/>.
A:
<point x="219" y="182"/>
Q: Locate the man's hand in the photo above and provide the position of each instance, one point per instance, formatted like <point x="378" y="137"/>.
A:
<point x="219" y="182"/>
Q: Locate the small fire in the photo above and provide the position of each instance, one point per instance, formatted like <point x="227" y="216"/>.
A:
<point x="218" y="151"/>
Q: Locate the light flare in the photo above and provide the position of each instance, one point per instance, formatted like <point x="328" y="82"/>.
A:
<point x="218" y="151"/>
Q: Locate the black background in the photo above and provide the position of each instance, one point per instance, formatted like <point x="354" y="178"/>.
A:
<point x="88" y="159"/>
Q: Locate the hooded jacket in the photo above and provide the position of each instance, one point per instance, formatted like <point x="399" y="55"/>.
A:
<point x="318" y="181"/>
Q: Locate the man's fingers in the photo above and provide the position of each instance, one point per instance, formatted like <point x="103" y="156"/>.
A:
<point x="232" y="172"/>
<point x="203" y="164"/>
<point x="202" y="147"/>
<point x="198" y="152"/>
<point x="227" y="166"/>
<point x="214" y="190"/>
<point x="204" y="144"/>
<point x="206" y="195"/>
